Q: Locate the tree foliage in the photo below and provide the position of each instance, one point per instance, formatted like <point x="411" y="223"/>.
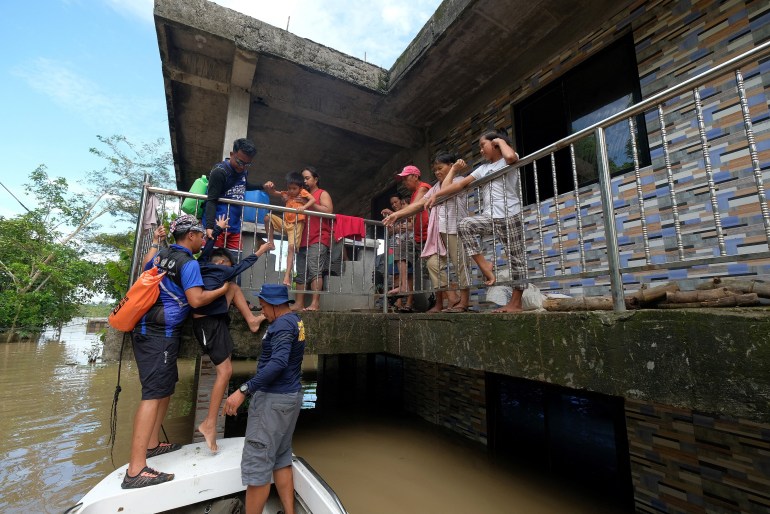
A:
<point x="118" y="268"/>
<point x="48" y="262"/>
<point x="42" y="281"/>
<point x="120" y="181"/>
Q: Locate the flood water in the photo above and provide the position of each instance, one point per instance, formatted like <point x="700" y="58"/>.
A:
<point x="54" y="421"/>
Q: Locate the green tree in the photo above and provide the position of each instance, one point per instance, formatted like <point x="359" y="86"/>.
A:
<point x="116" y="270"/>
<point x="42" y="281"/>
<point x="44" y="271"/>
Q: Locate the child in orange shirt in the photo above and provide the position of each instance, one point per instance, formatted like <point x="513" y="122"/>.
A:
<point x="295" y="197"/>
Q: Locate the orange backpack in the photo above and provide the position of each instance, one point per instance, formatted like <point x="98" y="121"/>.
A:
<point x="138" y="300"/>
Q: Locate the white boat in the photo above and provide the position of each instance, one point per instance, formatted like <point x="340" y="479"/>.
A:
<point x="202" y="479"/>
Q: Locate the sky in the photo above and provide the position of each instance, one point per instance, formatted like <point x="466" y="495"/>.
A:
<point x="74" y="69"/>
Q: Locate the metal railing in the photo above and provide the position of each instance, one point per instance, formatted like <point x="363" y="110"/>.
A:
<point x="347" y="263"/>
<point x="676" y="247"/>
<point x="575" y="237"/>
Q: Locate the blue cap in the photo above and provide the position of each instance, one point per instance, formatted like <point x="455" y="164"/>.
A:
<point x="274" y="294"/>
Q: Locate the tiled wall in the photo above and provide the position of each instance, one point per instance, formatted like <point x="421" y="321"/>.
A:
<point x="448" y="396"/>
<point x="684" y="462"/>
<point x="675" y="40"/>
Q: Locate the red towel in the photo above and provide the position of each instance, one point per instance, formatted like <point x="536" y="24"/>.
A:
<point x="349" y="226"/>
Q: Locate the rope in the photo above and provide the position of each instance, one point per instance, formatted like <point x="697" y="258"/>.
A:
<point x="114" y="411"/>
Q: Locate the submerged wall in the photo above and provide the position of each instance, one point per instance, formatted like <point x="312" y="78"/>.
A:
<point x="696" y="384"/>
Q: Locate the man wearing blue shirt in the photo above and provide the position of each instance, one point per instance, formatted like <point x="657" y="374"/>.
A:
<point x="156" y="342"/>
<point x="276" y="399"/>
<point x="228" y="179"/>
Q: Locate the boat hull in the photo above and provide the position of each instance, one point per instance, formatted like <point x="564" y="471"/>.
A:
<point x="199" y="476"/>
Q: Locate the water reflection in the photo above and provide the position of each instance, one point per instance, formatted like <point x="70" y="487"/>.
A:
<point x="55" y="419"/>
<point x="55" y="422"/>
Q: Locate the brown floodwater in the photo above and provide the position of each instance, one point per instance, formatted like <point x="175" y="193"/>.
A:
<point x="55" y="413"/>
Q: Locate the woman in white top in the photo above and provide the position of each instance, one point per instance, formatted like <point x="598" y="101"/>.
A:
<point x="499" y="213"/>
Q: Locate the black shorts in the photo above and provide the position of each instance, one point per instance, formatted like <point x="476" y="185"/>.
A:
<point x="214" y="337"/>
<point x="156" y="359"/>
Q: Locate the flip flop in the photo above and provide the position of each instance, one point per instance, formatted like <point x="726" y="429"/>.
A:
<point x="405" y="309"/>
<point x="457" y="309"/>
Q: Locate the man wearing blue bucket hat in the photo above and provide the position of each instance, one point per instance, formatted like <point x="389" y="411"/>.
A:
<point x="276" y="399"/>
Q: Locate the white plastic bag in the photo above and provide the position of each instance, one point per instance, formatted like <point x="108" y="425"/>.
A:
<point x="532" y="298"/>
<point x="500" y="295"/>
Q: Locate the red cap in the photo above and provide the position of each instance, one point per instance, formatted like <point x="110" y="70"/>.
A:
<point x="408" y="170"/>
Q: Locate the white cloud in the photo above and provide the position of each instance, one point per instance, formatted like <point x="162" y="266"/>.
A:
<point x="379" y="29"/>
<point x="140" y="9"/>
<point x="77" y="94"/>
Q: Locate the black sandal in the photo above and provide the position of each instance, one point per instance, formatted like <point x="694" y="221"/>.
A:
<point x="145" y="478"/>
<point x="163" y="448"/>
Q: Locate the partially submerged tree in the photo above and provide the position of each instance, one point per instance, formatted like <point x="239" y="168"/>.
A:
<point x="44" y="270"/>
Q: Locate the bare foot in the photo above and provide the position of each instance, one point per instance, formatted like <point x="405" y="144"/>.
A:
<point x="311" y="307"/>
<point x="210" y="433"/>
<point x="295" y="307"/>
<point x="457" y="305"/>
<point x="433" y="310"/>
<point x="255" y="322"/>
<point x="395" y="290"/>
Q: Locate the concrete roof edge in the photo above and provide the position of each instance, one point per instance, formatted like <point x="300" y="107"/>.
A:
<point x="254" y="35"/>
<point x="446" y="14"/>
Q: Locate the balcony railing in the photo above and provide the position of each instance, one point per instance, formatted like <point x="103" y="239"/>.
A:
<point x="699" y="210"/>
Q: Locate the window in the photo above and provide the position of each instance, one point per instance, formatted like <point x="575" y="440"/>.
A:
<point x="603" y="85"/>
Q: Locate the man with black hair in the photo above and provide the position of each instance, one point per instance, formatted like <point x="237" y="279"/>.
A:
<point x="228" y="179"/>
<point x="211" y="322"/>
<point x="156" y="342"/>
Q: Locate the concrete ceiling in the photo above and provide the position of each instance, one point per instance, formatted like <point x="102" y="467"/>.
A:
<point x="355" y="122"/>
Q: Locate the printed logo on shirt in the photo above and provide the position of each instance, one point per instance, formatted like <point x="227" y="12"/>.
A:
<point x="301" y="327"/>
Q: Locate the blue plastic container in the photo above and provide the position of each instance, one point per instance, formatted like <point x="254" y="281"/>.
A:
<point x="252" y="214"/>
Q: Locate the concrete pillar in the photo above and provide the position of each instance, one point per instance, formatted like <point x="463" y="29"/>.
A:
<point x="239" y="103"/>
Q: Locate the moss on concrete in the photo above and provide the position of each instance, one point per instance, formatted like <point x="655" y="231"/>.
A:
<point x="712" y="361"/>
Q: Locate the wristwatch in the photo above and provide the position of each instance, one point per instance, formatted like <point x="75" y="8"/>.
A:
<point x="244" y="389"/>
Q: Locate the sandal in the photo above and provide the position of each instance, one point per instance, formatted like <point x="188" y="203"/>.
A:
<point x="406" y="309"/>
<point x="146" y="477"/>
<point x="163" y="448"/>
<point x="457" y="309"/>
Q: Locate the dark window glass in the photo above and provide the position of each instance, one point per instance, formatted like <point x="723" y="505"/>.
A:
<point x="603" y="85"/>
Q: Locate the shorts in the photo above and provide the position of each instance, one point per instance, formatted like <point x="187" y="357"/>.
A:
<point x="269" y="429"/>
<point x="156" y="360"/>
<point x="213" y="335"/>
<point x="312" y="263"/>
<point x="292" y="230"/>
<point x="231" y="241"/>
<point x="405" y="250"/>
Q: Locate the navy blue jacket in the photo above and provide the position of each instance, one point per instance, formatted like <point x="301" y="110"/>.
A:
<point x="215" y="275"/>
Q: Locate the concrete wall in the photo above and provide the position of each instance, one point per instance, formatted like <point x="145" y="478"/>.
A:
<point x="711" y="361"/>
